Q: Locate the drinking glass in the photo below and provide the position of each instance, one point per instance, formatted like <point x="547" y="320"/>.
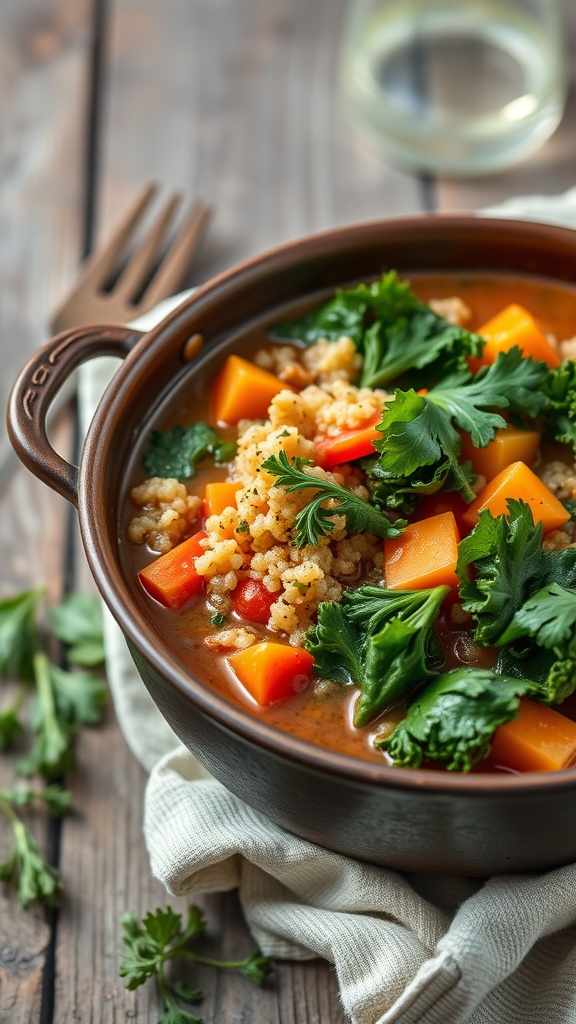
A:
<point x="455" y="86"/>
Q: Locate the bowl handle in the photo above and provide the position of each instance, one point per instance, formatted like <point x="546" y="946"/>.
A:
<point x="36" y="388"/>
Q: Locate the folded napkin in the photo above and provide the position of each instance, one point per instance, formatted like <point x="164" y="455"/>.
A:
<point x="408" y="949"/>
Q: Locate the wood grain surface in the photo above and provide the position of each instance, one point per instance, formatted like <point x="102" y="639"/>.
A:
<point x="236" y="101"/>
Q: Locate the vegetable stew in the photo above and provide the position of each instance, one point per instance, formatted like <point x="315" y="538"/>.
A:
<point x="365" y="534"/>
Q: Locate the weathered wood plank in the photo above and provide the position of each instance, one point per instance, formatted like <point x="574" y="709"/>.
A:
<point x="43" y="46"/>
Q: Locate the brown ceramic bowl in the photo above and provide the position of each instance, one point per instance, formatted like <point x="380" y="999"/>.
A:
<point x="411" y="819"/>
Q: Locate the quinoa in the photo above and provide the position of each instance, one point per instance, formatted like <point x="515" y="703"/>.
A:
<point x="264" y="548"/>
<point x="167" y="513"/>
<point x="560" y="478"/>
<point x="453" y="309"/>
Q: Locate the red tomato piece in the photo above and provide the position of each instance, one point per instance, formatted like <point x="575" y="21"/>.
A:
<point x="253" y="601"/>
<point x="348" y="445"/>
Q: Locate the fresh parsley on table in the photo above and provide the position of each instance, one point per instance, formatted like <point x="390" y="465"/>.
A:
<point x="160" y="938"/>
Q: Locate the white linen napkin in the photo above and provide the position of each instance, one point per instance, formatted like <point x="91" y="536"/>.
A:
<point x="406" y="949"/>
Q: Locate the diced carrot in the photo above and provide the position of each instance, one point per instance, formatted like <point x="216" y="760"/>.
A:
<point x="271" y="671"/>
<point x="172" y="579"/>
<point x="539" y="740"/>
<point x="442" y="501"/>
<point x="243" y="390"/>
<point x="518" y="481"/>
<point x="514" y="326"/>
<point x="510" y="444"/>
<point x="425" y="555"/>
<point x="218" y="496"/>
<point x="253" y="601"/>
<point x="349" y="444"/>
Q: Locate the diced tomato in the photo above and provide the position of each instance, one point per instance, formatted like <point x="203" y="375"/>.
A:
<point x="253" y="601"/>
<point x="348" y="445"/>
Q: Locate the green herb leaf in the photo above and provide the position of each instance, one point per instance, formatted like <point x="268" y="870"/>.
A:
<point x="177" y="452"/>
<point x="35" y="879"/>
<point x="314" y="520"/>
<point x="161" y="938"/>
<point x="559" y="414"/>
<point x="420" y="447"/>
<point x="549" y="617"/>
<point x="454" y="718"/>
<point x="507" y="556"/>
<point x="218" y="619"/>
<point x="381" y="640"/>
<point x="18" y="635"/>
<point x="77" y="622"/>
<point x="10" y="728"/>
<point x="416" y="339"/>
<point x="343" y="316"/>
<point x="554" y="677"/>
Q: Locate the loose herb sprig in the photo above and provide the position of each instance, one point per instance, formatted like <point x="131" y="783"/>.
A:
<point x="160" y="938"/>
<point x="314" y="520"/>
<point x="60" y="702"/>
<point x="34" y="878"/>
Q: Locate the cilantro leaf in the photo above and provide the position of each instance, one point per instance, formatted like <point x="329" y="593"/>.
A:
<point x="18" y="636"/>
<point x="381" y="640"/>
<point x="508" y="561"/>
<point x="314" y="520"/>
<point x="176" y="452"/>
<point x="341" y="316"/>
<point x="77" y="622"/>
<point x="454" y="718"/>
<point x="159" y="938"/>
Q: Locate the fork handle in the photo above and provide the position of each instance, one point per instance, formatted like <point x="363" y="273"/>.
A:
<point x="38" y="386"/>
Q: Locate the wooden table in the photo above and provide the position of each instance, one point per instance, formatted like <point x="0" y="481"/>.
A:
<point x="236" y="101"/>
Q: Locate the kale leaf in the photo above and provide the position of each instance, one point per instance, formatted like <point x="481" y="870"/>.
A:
<point x="454" y="718"/>
<point x="507" y="555"/>
<point x="394" y="330"/>
<point x="559" y="414"/>
<point x="554" y="677"/>
<point x="176" y="452"/>
<point x="381" y="640"/>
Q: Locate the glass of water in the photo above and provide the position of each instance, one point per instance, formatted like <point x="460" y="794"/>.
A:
<point x="455" y="86"/>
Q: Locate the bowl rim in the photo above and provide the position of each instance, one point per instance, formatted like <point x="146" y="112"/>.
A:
<point x="102" y="555"/>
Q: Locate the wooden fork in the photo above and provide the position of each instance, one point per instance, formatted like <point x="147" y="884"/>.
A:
<point x="115" y="285"/>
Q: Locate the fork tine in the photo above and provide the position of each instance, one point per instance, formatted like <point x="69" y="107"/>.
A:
<point x="176" y="261"/>
<point x="141" y="263"/>
<point x="98" y="267"/>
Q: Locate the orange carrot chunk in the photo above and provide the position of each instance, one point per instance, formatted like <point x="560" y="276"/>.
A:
<point x="218" y="496"/>
<point x="349" y="444"/>
<point x="539" y="740"/>
<point x="271" y="671"/>
<point x="172" y="579"/>
<point x="515" y="326"/>
<point x="424" y="556"/>
<point x="243" y="390"/>
<point x="518" y="481"/>
<point x="510" y="444"/>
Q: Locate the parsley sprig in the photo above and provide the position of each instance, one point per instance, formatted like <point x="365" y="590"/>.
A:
<point x="420" y="447"/>
<point x="59" y="701"/>
<point x="315" y="520"/>
<point x="160" y="938"/>
<point x="25" y="867"/>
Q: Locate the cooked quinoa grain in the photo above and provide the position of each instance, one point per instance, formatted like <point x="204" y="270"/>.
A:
<point x="168" y="512"/>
